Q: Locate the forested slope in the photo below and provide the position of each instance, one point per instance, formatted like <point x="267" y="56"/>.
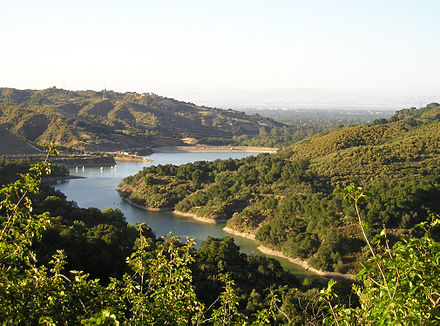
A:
<point x="107" y="120"/>
<point x="286" y="199"/>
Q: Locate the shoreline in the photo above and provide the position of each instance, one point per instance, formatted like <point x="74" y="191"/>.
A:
<point x="304" y="264"/>
<point x="150" y="209"/>
<point x="297" y="261"/>
<point x="240" y="234"/>
<point x="131" y="159"/>
<point x="63" y="178"/>
<point x="200" y="218"/>
<point x="265" y="250"/>
<point x="215" y="149"/>
<point x="86" y="165"/>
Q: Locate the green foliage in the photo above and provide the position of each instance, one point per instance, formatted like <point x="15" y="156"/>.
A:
<point x="10" y="169"/>
<point x="399" y="285"/>
<point x="158" y="288"/>
<point x="254" y="275"/>
<point x="94" y="241"/>
<point x="160" y="291"/>
<point x="28" y="292"/>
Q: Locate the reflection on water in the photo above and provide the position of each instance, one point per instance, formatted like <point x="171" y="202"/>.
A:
<point x="97" y="189"/>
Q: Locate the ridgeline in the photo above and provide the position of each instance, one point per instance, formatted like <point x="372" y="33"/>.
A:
<point x="110" y="121"/>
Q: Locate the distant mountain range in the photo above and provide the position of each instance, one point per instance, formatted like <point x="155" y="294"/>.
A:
<point x="107" y="120"/>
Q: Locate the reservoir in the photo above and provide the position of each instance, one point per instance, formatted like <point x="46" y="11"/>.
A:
<point x="98" y="189"/>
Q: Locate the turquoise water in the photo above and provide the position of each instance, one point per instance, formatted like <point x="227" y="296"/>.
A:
<point x="98" y="189"/>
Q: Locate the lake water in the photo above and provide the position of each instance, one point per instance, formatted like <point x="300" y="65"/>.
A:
<point x="98" y="189"/>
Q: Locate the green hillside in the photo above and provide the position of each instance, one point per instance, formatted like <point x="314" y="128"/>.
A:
<point x="107" y="120"/>
<point x="286" y="199"/>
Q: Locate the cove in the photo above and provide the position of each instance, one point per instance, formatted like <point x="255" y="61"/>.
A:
<point x="98" y="189"/>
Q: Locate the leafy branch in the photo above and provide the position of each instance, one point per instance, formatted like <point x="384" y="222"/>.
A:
<point x="404" y="289"/>
<point x="356" y="195"/>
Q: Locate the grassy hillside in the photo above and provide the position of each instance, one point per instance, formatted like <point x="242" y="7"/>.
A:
<point x="286" y="199"/>
<point x="107" y="120"/>
<point x="405" y="145"/>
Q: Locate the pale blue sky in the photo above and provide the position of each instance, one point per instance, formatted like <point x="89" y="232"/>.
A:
<point x="164" y="46"/>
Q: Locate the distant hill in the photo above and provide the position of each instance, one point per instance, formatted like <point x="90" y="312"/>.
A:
<point x="10" y="144"/>
<point x="107" y="120"/>
<point x="406" y="145"/>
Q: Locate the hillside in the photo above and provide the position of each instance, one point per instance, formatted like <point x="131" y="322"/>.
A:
<point x="405" y="145"/>
<point x="286" y="199"/>
<point x="11" y="144"/>
<point x="107" y="120"/>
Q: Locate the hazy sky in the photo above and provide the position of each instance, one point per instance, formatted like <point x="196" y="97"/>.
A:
<point x="164" y="46"/>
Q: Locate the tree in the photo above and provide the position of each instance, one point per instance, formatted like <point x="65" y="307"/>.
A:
<point x="399" y="285"/>
<point x="157" y="290"/>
